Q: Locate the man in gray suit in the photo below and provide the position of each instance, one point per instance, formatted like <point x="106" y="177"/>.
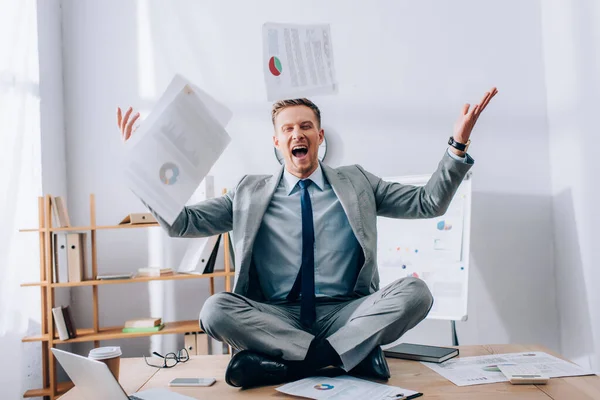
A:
<point x="306" y="291"/>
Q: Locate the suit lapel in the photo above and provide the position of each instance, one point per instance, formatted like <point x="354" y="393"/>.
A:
<point x="260" y="199"/>
<point x="346" y="193"/>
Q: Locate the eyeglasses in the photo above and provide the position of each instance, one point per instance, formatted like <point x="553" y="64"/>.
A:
<point x="170" y="359"/>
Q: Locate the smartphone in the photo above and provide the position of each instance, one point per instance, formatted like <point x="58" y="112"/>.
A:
<point x="192" y="382"/>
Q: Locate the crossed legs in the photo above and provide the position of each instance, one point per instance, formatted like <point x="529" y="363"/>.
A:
<point x="353" y="328"/>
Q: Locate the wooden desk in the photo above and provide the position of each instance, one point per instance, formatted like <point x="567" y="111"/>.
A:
<point x="136" y="375"/>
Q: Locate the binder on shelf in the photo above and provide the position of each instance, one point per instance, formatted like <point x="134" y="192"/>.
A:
<point x="202" y="343"/>
<point x="197" y="255"/>
<point x="76" y="256"/>
<point x="189" y="342"/>
<point x="138" y="218"/>
<point x="210" y="264"/>
<point x="59" y="258"/>
<point x="231" y="254"/>
<point x="196" y="343"/>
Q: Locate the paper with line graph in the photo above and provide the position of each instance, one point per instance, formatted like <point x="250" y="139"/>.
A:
<point x="174" y="149"/>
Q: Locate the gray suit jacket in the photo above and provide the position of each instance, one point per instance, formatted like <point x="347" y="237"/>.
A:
<point x="363" y="196"/>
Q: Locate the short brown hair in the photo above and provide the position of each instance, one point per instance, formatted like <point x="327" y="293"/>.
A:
<point x="281" y="104"/>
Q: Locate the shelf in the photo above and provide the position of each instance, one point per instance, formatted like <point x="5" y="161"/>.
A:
<point x="89" y="228"/>
<point x="28" y="284"/>
<point x="125" y="226"/>
<point x="94" y="333"/>
<point x="97" y="282"/>
<point x="115" y="332"/>
<point x="62" y="388"/>
<point x="37" y="338"/>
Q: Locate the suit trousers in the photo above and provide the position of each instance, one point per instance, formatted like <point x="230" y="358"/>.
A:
<point x="353" y="327"/>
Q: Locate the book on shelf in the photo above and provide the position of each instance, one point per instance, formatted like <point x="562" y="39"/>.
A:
<point x="144" y="329"/>
<point x="143" y="323"/>
<point x="138" y="219"/>
<point x="154" y="271"/>
<point x="115" y="276"/>
<point x="64" y="323"/>
<point x="59" y="209"/>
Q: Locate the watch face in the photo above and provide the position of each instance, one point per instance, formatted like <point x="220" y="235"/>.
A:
<point x="321" y="155"/>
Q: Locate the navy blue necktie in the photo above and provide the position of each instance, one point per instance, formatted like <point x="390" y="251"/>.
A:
<point x="305" y="280"/>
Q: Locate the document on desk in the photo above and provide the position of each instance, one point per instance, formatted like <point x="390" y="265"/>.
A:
<point x="466" y="371"/>
<point x="344" y="388"/>
<point x="175" y="148"/>
<point x="297" y="60"/>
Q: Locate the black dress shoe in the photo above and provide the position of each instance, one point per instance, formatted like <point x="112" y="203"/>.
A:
<point x="373" y="366"/>
<point x="248" y="369"/>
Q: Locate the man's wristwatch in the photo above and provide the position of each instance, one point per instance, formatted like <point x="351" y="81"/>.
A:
<point x="459" y="146"/>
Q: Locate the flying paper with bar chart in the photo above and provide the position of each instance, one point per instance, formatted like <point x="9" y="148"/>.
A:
<point x="297" y="60"/>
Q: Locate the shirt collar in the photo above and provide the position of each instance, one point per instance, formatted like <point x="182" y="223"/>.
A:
<point x="317" y="177"/>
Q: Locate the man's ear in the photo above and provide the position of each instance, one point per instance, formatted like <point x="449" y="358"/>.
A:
<point x="321" y="136"/>
<point x="275" y="141"/>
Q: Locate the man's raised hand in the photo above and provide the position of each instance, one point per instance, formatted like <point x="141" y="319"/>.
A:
<point x="125" y="123"/>
<point x="468" y="117"/>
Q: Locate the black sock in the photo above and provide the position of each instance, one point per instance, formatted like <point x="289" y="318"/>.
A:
<point x="321" y="354"/>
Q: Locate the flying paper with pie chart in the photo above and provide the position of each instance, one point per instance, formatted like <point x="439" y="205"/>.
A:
<point x="297" y="60"/>
<point x="175" y="148"/>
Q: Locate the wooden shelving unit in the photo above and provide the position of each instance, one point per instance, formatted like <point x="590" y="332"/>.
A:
<point x="51" y="388"/>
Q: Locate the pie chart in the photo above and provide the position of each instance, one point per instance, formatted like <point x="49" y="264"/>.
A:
<point x="275" y="66"/>
<point x="323" y="386"/>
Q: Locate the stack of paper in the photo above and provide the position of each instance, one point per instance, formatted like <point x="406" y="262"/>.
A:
<point x="466" y="371"/>
<point x="175" y="148"/>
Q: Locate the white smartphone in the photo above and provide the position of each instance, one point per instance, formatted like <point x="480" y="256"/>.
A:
<point x="192" y="382"/>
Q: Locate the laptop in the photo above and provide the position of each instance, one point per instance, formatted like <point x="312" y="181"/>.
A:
<point x="95" y="381"/>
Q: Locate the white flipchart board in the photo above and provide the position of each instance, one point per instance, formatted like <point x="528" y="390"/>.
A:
<point x="434" y="249"/>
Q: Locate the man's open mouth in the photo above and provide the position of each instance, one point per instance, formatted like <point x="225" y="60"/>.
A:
<point x="300" y="151"/>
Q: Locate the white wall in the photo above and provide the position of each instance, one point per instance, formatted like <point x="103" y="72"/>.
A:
<point x="405" y="68"/>
<point x="572" y="61"/>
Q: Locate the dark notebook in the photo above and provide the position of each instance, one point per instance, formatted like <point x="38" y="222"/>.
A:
<point x="421" y="352"/>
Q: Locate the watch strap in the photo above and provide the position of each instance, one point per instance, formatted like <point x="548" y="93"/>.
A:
<point x="457" y="145"/>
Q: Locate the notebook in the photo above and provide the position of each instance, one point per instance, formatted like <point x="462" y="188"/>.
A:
<point x="419" y="352"/>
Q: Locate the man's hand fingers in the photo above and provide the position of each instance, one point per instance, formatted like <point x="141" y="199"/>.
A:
<point x="484" y="99"/>
<point x="465" y="109"/>
<point x="472" y="112"/>
<point x="126" y="119"/>
<point x="487" y="99"/>
<point x="129" y="126"/>
<point x="119" y="117"/>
